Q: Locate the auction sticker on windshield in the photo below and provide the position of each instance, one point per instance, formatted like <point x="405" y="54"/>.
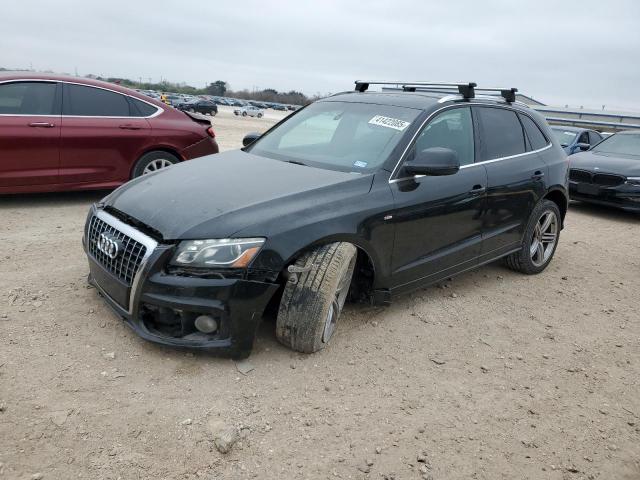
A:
<point x="389" y="122"/>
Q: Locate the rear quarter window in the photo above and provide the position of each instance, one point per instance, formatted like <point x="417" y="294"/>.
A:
<point x="536" y="137"/>
<point x="142" y="109"/>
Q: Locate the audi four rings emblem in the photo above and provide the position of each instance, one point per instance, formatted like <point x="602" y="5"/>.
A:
<point x="108" y="245"/>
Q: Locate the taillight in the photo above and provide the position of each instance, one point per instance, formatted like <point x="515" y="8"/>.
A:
<point x="211" y="133"/>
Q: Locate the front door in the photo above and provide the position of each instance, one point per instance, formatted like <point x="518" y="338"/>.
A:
<point x="29" y="133"/>
<point x="439" y="219"/>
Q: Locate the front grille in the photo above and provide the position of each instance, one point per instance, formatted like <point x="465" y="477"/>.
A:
<point x="580" y="176"/>
<point x="127" y="262"/>
<point x="602" y="179"/>
<point x="608" y="180"/>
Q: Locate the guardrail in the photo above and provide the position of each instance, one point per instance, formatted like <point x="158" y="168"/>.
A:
<point x="596" y="124"/>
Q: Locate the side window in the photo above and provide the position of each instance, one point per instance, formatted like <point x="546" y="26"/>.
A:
<point x="28" y="98"/>
<point x="86" y="101"/>
<point x="584" y="137"/>
<point x="502" y="134"/>
<point x="451" y="129"/>
<point x="536" y="137"/>
<point x="594" y="138"/>
<point x="142" y="109"/>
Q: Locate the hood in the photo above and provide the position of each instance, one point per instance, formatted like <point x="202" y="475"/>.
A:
<point x="218" y="195"/>
<point x="629" y="166"/>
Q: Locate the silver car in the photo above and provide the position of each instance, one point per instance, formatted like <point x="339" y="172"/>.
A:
<point x="249" y="110"/>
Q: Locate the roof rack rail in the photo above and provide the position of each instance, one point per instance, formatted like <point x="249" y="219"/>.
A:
<point x="466" y="89"/>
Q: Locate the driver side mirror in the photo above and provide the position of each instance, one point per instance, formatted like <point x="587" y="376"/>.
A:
<point x="435" y="161"/>
<point x="583" y="146"/>
<point x="249" y="138"/>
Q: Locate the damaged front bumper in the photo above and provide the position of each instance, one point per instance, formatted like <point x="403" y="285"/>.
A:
<point x="162" y="307"/>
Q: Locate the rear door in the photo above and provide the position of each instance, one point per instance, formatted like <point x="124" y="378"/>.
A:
<point x="103" y="134"/>
<point x="516" y="174"/>
<point x="29" y="133"/>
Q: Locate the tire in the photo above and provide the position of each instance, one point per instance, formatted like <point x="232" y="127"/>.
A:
<point x="244" y="114"/>
<point x="213" y="113"/>
<point x="152" y="161"/>
<point x="309" y="309"/>
<point x="538" y="240"/>
<point x="259" y="115"/>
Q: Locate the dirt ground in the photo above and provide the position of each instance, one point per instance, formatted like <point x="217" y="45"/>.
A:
<point x="493" y="375"/>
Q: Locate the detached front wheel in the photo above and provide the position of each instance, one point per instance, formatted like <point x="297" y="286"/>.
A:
<point x="310" y="307"/>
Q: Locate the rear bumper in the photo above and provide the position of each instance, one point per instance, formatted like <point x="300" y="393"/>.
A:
<point x="206" y="146"/>
<point x="625" y="197"/>
<point x="162" y="308"/>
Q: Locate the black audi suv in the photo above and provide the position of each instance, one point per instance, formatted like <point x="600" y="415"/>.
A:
<point x="362" y="195"/>
<point x="609" y="173"/>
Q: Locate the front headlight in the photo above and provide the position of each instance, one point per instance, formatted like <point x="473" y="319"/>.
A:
<point x="634" y="181"/>
<point x="222" y="253"/>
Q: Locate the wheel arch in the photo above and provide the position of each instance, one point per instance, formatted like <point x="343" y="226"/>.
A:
<point x="559" y="197"/>
<point x="367" y="263"/>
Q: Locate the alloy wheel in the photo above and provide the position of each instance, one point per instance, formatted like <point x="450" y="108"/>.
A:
<point x="545" y="237"/>
<point x="157" y="164"/>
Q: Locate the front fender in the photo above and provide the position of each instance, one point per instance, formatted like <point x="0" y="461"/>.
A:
<point x="360" y="220"/>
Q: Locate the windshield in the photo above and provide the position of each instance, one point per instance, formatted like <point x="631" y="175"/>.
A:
<point x="565" y="137"/>
<point x="620" y="144"/>
<point x="349" y="137"/>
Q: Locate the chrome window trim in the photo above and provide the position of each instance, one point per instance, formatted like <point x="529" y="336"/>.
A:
<point x="159" y="110"/>
<point x="434" y="113"/>
<point x="138" y="236"/>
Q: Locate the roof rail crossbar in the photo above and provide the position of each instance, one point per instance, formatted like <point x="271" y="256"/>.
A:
<point x="509" y="94"/>
<point x="466" y="89"/>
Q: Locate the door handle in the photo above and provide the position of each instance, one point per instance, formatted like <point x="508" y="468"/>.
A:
<point x="537" y="175"/>
<point x="128" y="126"/>
<point x="42" y="124"/>
<point x="477" y="190"/>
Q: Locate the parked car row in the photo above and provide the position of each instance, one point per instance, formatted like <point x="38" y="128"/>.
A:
<point x="66" y="133"/>
<point x="175" y="99"/>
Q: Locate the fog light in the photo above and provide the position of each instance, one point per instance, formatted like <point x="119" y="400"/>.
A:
<point x="206" y="324"/>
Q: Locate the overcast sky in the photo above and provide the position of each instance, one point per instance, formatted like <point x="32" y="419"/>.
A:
<point x="561" y="52"/>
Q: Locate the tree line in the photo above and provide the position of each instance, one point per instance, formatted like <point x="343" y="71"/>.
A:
<point x="218" y="88"/>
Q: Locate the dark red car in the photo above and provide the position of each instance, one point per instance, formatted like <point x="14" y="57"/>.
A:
<point x="66" y="133"/>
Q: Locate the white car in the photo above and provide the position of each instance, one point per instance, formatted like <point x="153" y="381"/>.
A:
<point x="249" y="110"/>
